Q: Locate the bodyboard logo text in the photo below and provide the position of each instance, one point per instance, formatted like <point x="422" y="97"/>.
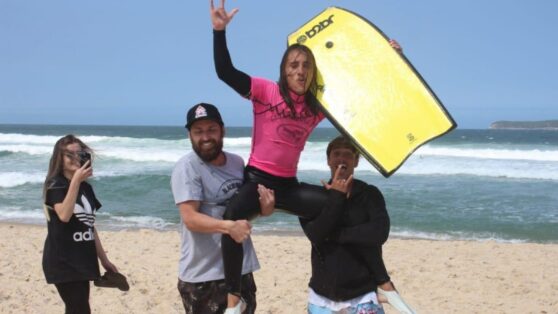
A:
<point x="315" y="29"/>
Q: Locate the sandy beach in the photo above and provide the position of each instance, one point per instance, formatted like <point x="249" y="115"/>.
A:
<point x="433" y="276"/>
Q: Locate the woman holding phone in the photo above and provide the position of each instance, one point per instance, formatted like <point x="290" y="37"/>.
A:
<point x="72" y="246"/>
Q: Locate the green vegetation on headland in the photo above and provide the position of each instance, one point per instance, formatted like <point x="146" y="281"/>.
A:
<point x="544" y="125"/>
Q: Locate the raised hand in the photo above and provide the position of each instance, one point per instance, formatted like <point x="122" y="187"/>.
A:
<point x="219" y="16"/>
<point x="337" y="183"/>
<point x="83" y="172"/>
<point x="395" y="45"/>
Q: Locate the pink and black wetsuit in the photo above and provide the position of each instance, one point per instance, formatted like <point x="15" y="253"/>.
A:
<point x="278" y="139"/>
<point x="278" y="136"/>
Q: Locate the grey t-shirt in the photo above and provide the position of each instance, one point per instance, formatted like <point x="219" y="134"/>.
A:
<point x="194" y="180"/>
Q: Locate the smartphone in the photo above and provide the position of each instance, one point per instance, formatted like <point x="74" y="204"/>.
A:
<point x="84" y="157"/>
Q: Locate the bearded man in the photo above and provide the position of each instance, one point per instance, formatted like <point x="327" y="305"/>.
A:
<point x="202" y="182"/>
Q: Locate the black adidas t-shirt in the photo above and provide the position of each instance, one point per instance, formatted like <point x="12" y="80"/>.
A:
<point x="69" y="253"/>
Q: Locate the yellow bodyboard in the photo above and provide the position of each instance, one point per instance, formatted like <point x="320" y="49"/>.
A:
<point x="370" y="92"/>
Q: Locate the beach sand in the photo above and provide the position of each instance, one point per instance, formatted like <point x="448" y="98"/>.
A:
<point x="433" y="276"/>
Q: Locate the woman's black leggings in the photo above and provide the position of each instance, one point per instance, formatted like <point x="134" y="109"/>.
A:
<point x="75" y="295"/>
<point x="303" y="200"/>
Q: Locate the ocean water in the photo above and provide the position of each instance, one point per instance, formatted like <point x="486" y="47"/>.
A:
<point x="469" y="184"/>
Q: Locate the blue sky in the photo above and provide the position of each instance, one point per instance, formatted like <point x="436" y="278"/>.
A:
<point x="138" y="62"/>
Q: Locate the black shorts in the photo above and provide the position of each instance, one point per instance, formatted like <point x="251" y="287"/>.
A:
<point x="211" y="296"/>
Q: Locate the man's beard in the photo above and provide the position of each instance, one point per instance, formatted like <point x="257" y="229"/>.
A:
<point x="211" y="154"/>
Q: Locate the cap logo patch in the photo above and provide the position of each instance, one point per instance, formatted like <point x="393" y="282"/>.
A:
<point x="200" y="112"/>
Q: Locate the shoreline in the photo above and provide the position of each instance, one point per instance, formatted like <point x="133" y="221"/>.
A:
<point x="298" y="233"/>
<point x="433" y="276"/>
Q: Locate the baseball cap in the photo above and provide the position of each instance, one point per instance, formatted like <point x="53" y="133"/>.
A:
<point x="202" y="111"/>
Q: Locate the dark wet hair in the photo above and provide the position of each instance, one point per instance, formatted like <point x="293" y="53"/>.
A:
<point x="342" y="142"/>
<point x="309" y="97"/>
<point x="56" y="165"/>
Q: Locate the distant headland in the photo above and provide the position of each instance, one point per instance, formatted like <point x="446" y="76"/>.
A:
<point x="540" y="125"/>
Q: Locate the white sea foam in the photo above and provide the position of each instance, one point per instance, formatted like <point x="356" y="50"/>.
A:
<point x="490" y="153"/>
<point x="15" y="138"/>
<point x="46" y="139"/>
<point x="121" y="222"/>
<point x="509" y="161"/>
<point x="114" y="164"/>
<point x="36" y="144"/>
<point x="518" y="169"/>
<point x="481" y="237"/>
<point x="142" y="154"/>
<point x="237" y="141"/>
<point x="26" y="149"/>
<point x="21" y="142"/>
<point x="400" y="233"/>
<point x="12" y="179"/>
<point x="21" y="215"/>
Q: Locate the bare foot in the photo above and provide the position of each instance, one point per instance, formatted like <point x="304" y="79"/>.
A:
<point x="382" y="298"/>
<point x="387" y="286"/>
<point x="232" y="300"/>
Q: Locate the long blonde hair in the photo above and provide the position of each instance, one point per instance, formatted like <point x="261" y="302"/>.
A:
<point x="56" y="165"/>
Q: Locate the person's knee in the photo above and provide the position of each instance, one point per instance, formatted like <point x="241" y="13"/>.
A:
<point x="242" y="209"/>
<point x="313" y="194"/>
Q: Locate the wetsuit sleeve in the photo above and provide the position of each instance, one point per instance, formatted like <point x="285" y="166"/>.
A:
<point x="238" y="80"/>
<point x="375" y="231"/>
<point x="318" y="229"/>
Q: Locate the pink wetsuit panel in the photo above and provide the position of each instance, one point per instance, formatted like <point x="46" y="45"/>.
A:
<point x="278" y="138"/>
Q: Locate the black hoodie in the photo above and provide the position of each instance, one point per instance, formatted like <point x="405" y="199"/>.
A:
<point x="346" y="240"/>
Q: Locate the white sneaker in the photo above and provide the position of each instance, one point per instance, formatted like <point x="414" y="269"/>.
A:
<point x="395" y="300"/>
<point x="238" y="309"/>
